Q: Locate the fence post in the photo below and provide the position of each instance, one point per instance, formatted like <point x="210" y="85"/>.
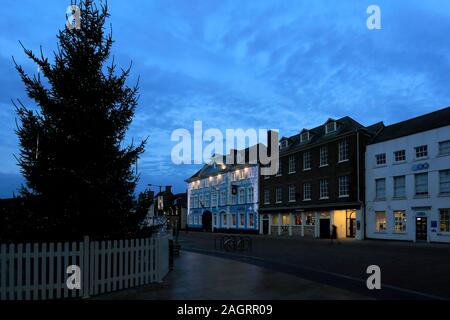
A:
<point x="85" y="273"/>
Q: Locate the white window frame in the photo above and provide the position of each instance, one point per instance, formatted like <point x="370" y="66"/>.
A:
<point x="214" y="199"/>
<point x="306" y="160"/>
<point x="278" y="195"/>
<point x="443" y="151"/>
<point x="327" y="128"/>
<point x="324" y="156"/>
<point x="250" y="195"/>
<point x="307" y="191"/>
<point x="324" y="192"/>
<point x="241" y="196"/>
<point x="344" y="186"/>
<point x="343" y="153"/>
<point x="291" y="164"/>
<point x="377" y="195"/>
<point x="378" y="227"/>
<point x="292" y="193"/>
<point x="302" y="136"/>
<point x="400" y="221"/>
<point x="444" y="182"/>
<point x="380" y="159"/>
<point x="444" y="222"/>
<point x="416" y="185"/>
<point x="396" y="187"/>
<point x="421" y="152"/>
<point x="400" y="156"/>
<point x="266" y="196"/>
<point x="223" y="197"/>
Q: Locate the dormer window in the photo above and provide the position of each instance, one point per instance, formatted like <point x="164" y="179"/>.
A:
<point x="304" y="136"/>
<point x="283" y="144"/>
<point x="330" y="127"/>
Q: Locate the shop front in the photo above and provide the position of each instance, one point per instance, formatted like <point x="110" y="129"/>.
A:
<point x="313" y="224"/>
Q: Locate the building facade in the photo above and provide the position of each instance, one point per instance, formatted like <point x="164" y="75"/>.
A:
<point x="319" y="184"/>
<point x="224" y="198"/>
<point x="408" y="180"/>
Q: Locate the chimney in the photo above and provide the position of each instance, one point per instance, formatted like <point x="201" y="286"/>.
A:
<point x="168" y="189"/>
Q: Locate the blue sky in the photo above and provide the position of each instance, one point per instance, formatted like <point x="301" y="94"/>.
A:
<point x="245" y="64"/>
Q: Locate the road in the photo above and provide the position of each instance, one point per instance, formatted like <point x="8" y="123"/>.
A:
<point x="408" y="270"/>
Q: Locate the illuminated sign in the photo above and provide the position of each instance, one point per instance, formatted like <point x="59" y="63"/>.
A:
<point x="420" y="166"/>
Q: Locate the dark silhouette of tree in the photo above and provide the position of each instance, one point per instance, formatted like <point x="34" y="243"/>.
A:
<point x="79" y="175"/>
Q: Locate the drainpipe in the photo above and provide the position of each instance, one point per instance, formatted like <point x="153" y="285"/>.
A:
<point x="361" y="204"/>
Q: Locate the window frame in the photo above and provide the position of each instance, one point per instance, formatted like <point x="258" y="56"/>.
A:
<point x="380" y="159"/>
<point x="324" y="189"/>
<point x="419" y="151"/>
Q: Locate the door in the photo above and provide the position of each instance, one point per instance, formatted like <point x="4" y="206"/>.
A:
<point x="421" y="228"/>
<point x="265" y="226"/>
<point x="325" y="228"/>
<point x="351" y="227"/>
<point x="207" y="221"/>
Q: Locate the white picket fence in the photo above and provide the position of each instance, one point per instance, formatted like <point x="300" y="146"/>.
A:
<point x="38" y="271"/>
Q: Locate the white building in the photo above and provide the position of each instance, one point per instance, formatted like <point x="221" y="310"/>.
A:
<point x="408" y="180"/>
<point x="224" y="197"/>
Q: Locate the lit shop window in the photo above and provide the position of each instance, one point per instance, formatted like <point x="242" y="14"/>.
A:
<point x="400" y="221"/>
<point x="444" y="220"/>
<point x="242" y="220"/>
<point x="224" y="219"/>
<point x="233" y="219"/>
<point x="310" y="219"/>
<point x="251" y="220"/>
<point x="380" y="221"/>
<point x="298" y="219"/>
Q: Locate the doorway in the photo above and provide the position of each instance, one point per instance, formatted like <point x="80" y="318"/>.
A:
<point x="265" y="224"/>
<point x="351" y="223"/>
<point x="325" y="228"/>
<point x="421" y="229"/>
<point x="207" y="221"/>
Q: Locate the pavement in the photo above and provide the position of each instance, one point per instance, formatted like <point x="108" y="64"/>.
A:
<point x="300" y="268"/>
<point x="408" y="270"/>
<point x="205" y="277"/>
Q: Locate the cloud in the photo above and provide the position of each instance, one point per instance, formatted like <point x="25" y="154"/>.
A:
<point x="253" y="64"/>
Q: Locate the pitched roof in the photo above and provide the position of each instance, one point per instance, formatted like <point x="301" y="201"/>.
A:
<point x="429" y="121"/>
<point x="214" y="168"/>
<point x="318" y="134"/>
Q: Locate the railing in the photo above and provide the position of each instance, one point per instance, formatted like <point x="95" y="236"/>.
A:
<point x="40" y="271"/>
<point x="233" y="243"/>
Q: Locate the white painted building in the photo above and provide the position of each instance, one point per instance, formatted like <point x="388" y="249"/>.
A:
<point x="408" y="180"/>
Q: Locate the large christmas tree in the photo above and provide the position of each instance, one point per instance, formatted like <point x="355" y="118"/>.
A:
<point x="79" y="174"/>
